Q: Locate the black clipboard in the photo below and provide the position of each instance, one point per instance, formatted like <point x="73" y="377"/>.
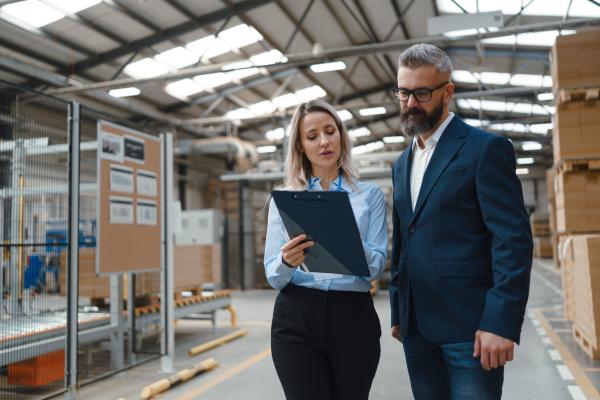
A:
<point x="328" y="219"/>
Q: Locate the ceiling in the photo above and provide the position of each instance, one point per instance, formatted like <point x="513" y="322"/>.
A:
<point x="190" y="54"/>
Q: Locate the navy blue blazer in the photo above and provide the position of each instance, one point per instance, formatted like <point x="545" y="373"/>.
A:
<point x="465" y="253"/>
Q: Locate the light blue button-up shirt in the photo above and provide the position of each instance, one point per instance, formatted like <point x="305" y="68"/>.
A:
<point x="368" y="205"/>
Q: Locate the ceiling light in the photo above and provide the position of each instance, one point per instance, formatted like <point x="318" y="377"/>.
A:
<point x="311" y="93"/>
<point x="501" y="106"/>
<point x="545" y="96"/>
<point x="263" y="107"/>
<point x="287" y="100"/>
<point x="124" y="92"/>
<point x="528" y="146"/>
<point x="33" y="12"/>
<point x="178" y="57"/>
<point x="523" y="161"/>
<point x="240" y="36"/>
<point x="541" y="129"/>
<point x="344" y="115"/>
<point x="266" y="149"/>
<point x="74" y="6"/>
<point x="240" y="73"/>
<point x="208" y="47"/>
<point x="372" y="111"/>
<point x="394" y="139"/>
<point x="522" y="171"/>
<point x="183" y="88"/>
<point x="240" y="113"/>
<point x="146" y="68"/>
<point x="268" y="58"/>
<point x="275" y="134"/>
<point x="325" y="67"/>
<point x="363" y="131"/>
<point x="367" y="148"/>
<point x="210" y="81"/>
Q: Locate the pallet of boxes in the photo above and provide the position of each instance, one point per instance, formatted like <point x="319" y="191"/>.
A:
<point x="542" y="241"/>
<point x="576" y="142"/>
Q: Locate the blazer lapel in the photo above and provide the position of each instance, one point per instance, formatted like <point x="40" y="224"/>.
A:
<point x="406" y="165"/>
<point x="450" y="142"/>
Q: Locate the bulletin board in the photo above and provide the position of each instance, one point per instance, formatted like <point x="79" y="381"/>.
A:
<point x="129" y="200"/>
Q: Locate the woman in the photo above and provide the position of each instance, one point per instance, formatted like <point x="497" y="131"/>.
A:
<point x="325" y="332"/>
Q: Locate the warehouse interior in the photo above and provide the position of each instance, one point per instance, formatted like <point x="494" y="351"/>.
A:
<point x="209" y="88"/>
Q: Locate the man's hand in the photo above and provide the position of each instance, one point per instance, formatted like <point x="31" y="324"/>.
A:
<point x="494" y="350"/>
<point x="396" y="333"/>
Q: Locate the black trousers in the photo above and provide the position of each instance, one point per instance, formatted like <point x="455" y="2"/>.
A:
<point x="325" y="345"/>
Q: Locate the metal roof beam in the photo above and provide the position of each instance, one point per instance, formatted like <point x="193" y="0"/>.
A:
<point x="170" y="33"/>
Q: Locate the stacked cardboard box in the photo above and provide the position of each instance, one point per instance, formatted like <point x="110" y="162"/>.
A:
<point x="196" y="264"/>
<point x="89" y="284"/>
<point x="581" y="289"/>
<point x="540" y="228"/>
<point x="575" y="60"/>
<point x="554" y="239"/>
<point x="576" y="84"/>
<point x="578" y="200"/>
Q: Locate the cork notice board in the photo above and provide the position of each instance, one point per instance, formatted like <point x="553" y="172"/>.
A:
<point x="129" y="200"/>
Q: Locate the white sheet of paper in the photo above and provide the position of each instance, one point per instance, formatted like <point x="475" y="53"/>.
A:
<point x="321" y="276"/>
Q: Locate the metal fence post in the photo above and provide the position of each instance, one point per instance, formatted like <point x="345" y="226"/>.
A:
<point x="74" y="124"/>
<point x="167" y="290"/>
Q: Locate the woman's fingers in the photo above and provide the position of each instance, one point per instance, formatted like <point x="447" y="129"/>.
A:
<point x="293" y="243"/>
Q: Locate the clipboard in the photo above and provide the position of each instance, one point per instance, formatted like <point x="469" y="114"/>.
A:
<point x="327" y="219"/>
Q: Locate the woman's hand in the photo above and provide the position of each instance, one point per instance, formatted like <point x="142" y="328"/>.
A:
<point x="293" y="251"/>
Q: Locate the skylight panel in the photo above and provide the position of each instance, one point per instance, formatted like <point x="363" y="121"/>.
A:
<point x="501" y="78"/>
<point x="268" y="57"/>
<point x="529" y="146"/>
<point x="394" y="139"/>
<point x="584" y="9"/>
<point x="207" y="46"/>
<point x="287" y="100"/>
<point x="266" y="149"/>
<point x="210" y="81"/>
<point x="275" y="134"/>
<point x="311" y="93"/>
<point x="500" y="106"/>
<point x="33" y="12"/>
<point x="522" y="171"/>
<point x="146" y="68"/>
<point x="508" y="7"/>
<point x="242" y="73"/>
<point x="367" y="148"/>
<point x="74" y="6"/>
<point x="331" y="66"/>
<point x="358" y="132"/>
<point x="178" y="57"/>
<point x="240" y="113"/>
<point x="184" y="88"/>
<point x="263" y="107"/>
<point x="461" y="33"/>
<point x="344" y="115"/>
<point x="541" y="129"/>
<point x="240" y="36"/>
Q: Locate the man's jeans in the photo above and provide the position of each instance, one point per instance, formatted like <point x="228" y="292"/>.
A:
<point x="444" y="371"/>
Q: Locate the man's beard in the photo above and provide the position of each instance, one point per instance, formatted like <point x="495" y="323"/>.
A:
<point x="417" y="126"/>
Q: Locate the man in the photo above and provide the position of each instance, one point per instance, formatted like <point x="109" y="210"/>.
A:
<point x="462" y="245"/>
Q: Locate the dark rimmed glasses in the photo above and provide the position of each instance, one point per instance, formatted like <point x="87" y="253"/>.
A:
<point x="422" y="95"/>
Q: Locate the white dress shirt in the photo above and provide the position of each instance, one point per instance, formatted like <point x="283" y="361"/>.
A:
<point x="421" y="158"/>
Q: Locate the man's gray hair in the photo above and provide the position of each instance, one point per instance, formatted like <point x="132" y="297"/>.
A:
<point x="426" y="55"/>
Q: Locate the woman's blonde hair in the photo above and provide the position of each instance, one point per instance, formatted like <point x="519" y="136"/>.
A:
<point x="297" y="168"/>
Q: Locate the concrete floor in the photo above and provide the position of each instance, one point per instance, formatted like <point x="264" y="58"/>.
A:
<point x="548" y="365"/>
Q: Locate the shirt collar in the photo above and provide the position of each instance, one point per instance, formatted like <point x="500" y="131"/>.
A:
<point x="438" y="132"/>
<point x="345" y="185"/>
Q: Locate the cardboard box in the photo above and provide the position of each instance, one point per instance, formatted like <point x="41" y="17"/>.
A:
<point x="542" y="247"/>
<point x="550" y="175"/>
<point x="578" y="201"/>
<point x="575" y="60"/>
<point x="39" y="370"/>
<point x="196" y="264"/>
<point x="89" y="284"/>
<point x="581" y="285"/>
<point x="576" y="132"/>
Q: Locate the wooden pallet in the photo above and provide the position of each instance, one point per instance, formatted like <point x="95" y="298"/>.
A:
<point x="585" y="343"/>
<point x="579" y="165"/>
<point x="569" y="95"/>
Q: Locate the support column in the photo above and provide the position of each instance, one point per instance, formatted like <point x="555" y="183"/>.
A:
<point x="73" y="248"/>
<point x="167" y="276"/>
<point x="117" y="347"/>
<point x="18" y="170"/>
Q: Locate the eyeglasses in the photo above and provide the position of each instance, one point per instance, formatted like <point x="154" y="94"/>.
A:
<point x="422" y="95"/>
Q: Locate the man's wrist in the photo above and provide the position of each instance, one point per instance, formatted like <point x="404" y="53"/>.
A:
<point x="286" y="264"/>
